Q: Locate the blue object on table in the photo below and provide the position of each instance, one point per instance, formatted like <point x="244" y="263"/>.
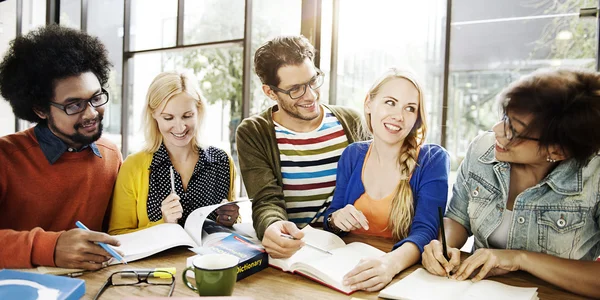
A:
<point x="25" y="285"/>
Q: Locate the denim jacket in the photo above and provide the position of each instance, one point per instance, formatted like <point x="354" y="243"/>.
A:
<point x="559" y="216"/>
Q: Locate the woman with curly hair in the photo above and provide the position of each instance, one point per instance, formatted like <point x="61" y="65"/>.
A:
<point x="60" y="171"/>
<point x="528" y="191"/>
<point x="392" y="185"/>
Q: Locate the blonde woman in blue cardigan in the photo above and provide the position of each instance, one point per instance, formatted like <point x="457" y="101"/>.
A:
<point x="392" y="185"/>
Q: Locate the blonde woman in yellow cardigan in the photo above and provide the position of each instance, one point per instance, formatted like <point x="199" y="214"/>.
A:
<point x="143" y="195"/>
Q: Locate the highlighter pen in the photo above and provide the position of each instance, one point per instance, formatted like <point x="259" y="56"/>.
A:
<point x="103" y="245"/>
<point x="287" y="236"/>
<point x="444" y="247"/>
<point x="145" y="272"/>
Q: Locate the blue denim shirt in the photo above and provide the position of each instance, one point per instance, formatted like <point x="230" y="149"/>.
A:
<point x="559" y="216"/>
<point x="53" y="147"/>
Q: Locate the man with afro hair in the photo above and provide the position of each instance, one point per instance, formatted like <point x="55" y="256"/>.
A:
<point x="61" y="170"/>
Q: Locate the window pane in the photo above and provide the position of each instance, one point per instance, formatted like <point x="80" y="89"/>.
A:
<point x="105" y="21"/>
<point x="34" y="14"/>
<point x="153" y="24"/>
<point x="70" y="13"/>
<point x="494" y="43"/>
<point x="270" y="19"/>
<point x="213" y="20"/>
<point x="8" y="31"/>
<point x="404" y="34"/>
<point x="220" y="73"/>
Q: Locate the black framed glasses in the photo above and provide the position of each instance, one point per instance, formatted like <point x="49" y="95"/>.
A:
<point x="299" y="90"/>
<point x="134" y="278"/>
<point x="510" y="133"/>
<point x="81" y="105"/>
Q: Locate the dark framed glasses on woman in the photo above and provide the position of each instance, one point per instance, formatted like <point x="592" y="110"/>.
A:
<point x="138" y="278"/>
<point x="510" y="133"/>
<point x="81" y="105"/>
<point x="299" y="90"/>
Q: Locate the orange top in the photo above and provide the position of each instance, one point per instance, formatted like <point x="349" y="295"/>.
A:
<point x="375" y="210"/>
<point x="38" y="200"/>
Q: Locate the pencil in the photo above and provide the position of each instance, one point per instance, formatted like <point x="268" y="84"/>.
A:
<point x="444" y="247"/>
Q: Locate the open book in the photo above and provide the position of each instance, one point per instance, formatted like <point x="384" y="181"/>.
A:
<point x="146" y="242"/>
<point x="420" y="284"/>
<point x="328" y="269"/>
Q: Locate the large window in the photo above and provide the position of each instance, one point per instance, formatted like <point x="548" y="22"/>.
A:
<point x="270" y="19"/>
<point x="213" y="20"/>
<point x="105" y="21"/>
<point x="494" y="43"/>
<point x="70" y="13"/>
<point x="153" y="24"/>
<point x="404" y="34"/>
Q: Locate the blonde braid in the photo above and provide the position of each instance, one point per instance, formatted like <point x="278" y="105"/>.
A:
<point x="402" y="212"/>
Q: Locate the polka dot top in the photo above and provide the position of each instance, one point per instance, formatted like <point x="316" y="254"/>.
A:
<point x="209" y="184"/>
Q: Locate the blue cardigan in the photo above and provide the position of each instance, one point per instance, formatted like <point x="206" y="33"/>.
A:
<point x="429" y="184"/>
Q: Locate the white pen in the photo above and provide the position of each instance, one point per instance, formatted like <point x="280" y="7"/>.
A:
<point x="172" y="181"/>
<point x="287" y="236"/>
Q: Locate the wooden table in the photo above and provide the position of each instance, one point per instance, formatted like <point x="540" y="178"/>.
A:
<point x="275" y="284"/>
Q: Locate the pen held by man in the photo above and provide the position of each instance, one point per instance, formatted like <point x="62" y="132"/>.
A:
<point x="287" y="236"/>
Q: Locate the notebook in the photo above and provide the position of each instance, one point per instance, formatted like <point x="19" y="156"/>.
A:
<point x="327" y="269"/>
<point x="422" y="285"/>
<point x="25" y="285"/>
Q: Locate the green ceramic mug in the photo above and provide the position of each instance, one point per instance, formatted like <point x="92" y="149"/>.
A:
<point x="215" y="274"/>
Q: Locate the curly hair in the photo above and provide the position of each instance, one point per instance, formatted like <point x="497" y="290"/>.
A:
<point x="278" y="52"/>
<point x="565" y="105"/>
<point x="35" y="62"/>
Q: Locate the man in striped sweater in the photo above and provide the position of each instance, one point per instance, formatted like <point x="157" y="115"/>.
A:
<point x="288" y="154"/>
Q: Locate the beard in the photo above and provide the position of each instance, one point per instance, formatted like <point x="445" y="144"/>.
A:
<point x="294" y="112"/>
<point x="77" y="137"/>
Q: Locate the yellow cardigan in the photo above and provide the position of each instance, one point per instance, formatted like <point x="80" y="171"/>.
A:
<point x="128" y="211"/>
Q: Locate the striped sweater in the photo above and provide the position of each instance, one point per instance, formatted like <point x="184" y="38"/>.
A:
<point x="308" y="168"/>
<point x="260" y="165"/>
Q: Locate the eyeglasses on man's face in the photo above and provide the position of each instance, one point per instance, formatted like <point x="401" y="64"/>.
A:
<point x="299" y="90"/>
<point x="510" y="133"/>
<point x="81" y="105"/>
<point x="135" y="278"/>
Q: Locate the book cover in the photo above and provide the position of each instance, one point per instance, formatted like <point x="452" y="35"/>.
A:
<point x="25" y="285"/>
<point x="253" y="258"/>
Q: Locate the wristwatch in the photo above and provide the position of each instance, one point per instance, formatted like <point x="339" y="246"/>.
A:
<point x="332" y="226"/>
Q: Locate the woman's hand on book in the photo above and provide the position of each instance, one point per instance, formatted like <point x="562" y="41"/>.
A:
<point x="371" y="274"/>
<point x="278" y="246"/>
<point x="228" y="214"/>
<point x="77" y="249"/>
<point x="349" y="218"/>
<point x="171" y="208"/>
<point x="489" y="262"/>
<point x="434" y="261"/>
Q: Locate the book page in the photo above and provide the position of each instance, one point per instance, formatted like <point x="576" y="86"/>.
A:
<point x="420" y="284"/>
<point x="195" y="221"/>
<point x="143" y="243"/>
<point x="343" y="260"/>
<point x="493" y="290"/>
<point x="320" y="238"/>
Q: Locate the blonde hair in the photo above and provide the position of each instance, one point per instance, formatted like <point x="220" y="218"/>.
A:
<point x="402" y="212"/>
<point x="163" y="88"/>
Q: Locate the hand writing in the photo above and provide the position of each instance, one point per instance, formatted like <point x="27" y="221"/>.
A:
<point x="281" y="247"/>
<point x="77" y="249"/>
<point x="434" y="261"/>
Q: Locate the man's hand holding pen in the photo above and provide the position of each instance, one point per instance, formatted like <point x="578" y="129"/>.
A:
<point x="77" y="249"/>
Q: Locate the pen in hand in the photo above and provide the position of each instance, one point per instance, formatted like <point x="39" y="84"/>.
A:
<point x="104" y="246"/>
<point x="172" y="181"/>
<point x="444" y="247"/>
<point x="287" y="236"/>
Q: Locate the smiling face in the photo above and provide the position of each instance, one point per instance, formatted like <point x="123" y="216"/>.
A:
<point x="305" y="108"/>
<point x="393" y="111"/>
<point x="520" y="151"/>
<point x="78" y="129"/>
<point x="178" y="120"/>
